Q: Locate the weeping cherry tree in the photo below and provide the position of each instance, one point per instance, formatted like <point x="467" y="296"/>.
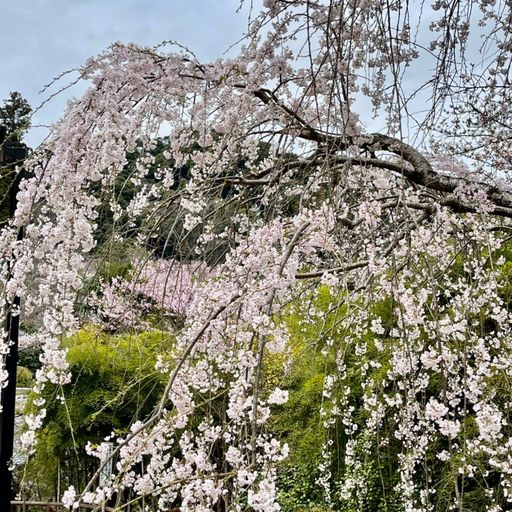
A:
<point x="356" y="146"/>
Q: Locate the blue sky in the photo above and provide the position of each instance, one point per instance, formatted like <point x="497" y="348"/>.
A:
<point x="40" y="39"/>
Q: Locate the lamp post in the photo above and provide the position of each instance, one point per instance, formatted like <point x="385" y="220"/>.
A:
<point x="10" y="155"/>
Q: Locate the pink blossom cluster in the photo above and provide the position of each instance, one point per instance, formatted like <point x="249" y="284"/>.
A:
<point x="155" y="286"/>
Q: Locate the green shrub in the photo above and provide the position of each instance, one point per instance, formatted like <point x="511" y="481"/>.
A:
<point x="24" y="377"/>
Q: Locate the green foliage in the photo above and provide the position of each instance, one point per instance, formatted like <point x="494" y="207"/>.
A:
<point x="505" y="274"/>
<point x="316" y="327"/>
<point x="113" y="382"/>
<point x="298" y="422"/>
<point x="316" y="333"/>
<point x="24" y="377"/>
<point x="29" y="357"/>
<point x="113" y="269"/>
<point x="15" y="116"/>
<point x="6" y="179"/>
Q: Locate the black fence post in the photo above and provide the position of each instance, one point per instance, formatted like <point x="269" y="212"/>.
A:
<point x="10" y="157"/>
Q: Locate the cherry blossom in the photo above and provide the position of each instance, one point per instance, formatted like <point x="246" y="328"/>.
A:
<point x="288" y="191"/>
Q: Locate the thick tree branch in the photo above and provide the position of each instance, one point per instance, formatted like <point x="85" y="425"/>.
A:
<point x="416" y="167"/>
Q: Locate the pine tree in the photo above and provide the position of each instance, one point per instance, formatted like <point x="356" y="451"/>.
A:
<point x="15" y="116"/>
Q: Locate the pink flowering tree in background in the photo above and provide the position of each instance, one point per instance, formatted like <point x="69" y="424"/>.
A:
<point x="160" y="286"/>
<point x="359" y="147"/>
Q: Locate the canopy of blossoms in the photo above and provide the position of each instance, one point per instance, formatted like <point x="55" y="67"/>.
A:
<point x="289" y="190"/>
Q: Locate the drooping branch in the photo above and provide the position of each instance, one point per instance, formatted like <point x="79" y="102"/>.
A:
<point x="416" y="167"/>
